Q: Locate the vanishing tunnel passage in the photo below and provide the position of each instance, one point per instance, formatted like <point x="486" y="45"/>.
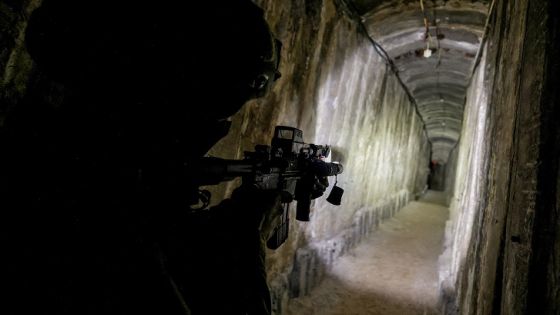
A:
<point x="433" y="45"/>
<point x="389" y="80"/>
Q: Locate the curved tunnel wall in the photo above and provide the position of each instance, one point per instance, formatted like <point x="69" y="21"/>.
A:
<point x="336" y="89"/>
<point x="466" y="171"/>
<point x="438" y="82"/>
<point x="502" y="238"/>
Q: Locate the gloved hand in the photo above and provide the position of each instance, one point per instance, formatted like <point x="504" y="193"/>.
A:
<point x="319" y="186"/>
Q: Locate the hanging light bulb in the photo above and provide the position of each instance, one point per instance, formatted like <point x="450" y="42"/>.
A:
<point x="427" y="37"/>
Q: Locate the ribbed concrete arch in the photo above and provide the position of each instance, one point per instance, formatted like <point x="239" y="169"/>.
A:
<point x="437" y="99"/>
<point x="450" y="38"/>
<point x="454" y="77"/>
<point x="425" y="88"/>
<point x="439" y="82"/>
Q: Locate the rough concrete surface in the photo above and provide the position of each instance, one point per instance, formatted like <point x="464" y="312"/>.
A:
<point x="505" y="178"/>
<point x="392" y="272"/>
<point x="465" y="182"/>
<point x="452" y="32"/>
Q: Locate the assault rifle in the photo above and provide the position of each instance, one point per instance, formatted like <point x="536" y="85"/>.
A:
<point x="288" y="165"/>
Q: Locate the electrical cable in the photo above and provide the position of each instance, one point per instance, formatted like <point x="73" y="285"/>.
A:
<point x="438" y="35"/>
<point x="483" y="41"/>
<point x="479" y="52"/>
<point x="353" y="14"/>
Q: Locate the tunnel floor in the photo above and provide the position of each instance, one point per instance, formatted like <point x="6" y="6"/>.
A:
<point x="394" y="271"/>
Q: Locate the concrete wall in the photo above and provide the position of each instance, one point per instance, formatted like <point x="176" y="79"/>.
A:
<point x="339" y="92"/>
<point x="502" y="238"/>
<point x="465" y="184"/>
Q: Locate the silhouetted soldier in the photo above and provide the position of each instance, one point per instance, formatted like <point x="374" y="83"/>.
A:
<point x="95" y="200"/>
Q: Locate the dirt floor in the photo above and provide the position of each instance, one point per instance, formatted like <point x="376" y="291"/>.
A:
<point x="393" y="272"/>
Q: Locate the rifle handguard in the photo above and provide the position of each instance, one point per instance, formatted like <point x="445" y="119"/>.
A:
<point x="305" y="186"/>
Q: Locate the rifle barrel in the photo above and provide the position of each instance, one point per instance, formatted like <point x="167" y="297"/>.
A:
<point x="211" y="171"/>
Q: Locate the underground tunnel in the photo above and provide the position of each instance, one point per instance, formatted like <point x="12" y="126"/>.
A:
<point x="443" y="113"/>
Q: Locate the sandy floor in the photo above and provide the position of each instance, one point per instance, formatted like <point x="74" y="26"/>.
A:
<point x="393" y="272"/>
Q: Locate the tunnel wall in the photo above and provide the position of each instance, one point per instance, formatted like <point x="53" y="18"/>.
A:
<point x="465" y="184"/>
<point x="339" y="92"/>
<point x="508" y="262"/>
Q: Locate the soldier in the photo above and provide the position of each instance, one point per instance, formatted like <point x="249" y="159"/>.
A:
<point x="96" y="204"/>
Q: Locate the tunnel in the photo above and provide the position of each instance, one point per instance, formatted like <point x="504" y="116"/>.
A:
<point x="445" y="116"/>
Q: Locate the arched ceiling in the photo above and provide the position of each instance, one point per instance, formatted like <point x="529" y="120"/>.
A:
<point x="437" y="83"/>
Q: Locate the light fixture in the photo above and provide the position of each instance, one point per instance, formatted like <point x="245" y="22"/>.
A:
<point x="427" y="36"/>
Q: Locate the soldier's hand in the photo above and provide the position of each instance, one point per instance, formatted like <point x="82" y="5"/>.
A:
<point x="319" y="186"/>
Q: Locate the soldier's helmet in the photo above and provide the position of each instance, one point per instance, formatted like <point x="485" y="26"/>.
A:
<point x="220" y="53"/>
